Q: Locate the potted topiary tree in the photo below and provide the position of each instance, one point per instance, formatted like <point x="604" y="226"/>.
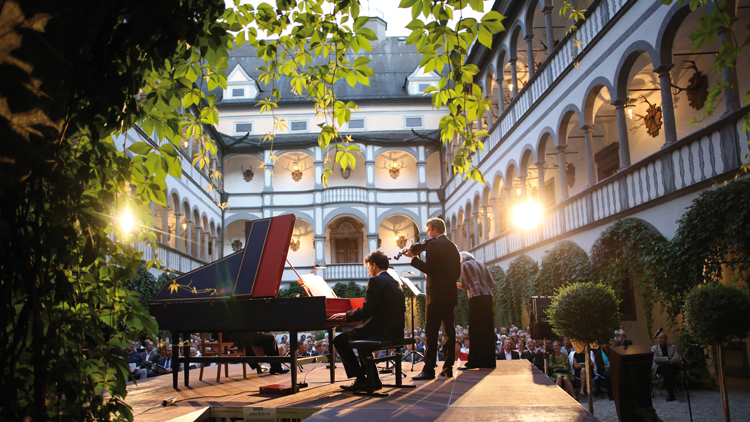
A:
<point x="716" y="313"/>
<point x="587" y="313"/>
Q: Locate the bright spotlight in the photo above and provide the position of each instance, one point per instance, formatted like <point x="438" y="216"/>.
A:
<point x="126" y="221"/>
<point x="527" y="214"/>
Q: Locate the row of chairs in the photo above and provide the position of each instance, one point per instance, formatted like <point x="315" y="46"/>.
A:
<point x="223" y="348"/>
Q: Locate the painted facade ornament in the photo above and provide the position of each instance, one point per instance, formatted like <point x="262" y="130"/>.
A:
<point x="247" y="174"/>
<point x="401" y="241"/>
<point x="236" y="245"/>
<point x="346" y="173"/>
<point x="652" y="119"/>
<point x="294" y="244"/>
<point x="570" y="174"/>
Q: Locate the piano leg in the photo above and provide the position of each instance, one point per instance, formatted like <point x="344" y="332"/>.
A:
<point x="186" y="356"/>
<point x="293" y="354"/>
<point x="175" y="362"/>
<point x="332" y="354"/>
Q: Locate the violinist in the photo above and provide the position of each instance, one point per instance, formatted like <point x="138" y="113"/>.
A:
<point x="442" y="268"/>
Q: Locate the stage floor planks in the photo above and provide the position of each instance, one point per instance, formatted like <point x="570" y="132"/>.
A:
<point x="514" y="391"/>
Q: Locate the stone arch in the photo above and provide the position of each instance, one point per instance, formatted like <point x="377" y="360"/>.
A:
<point x="346" y="211"/>
<point x="562" y="125"/>
<point x="510" y="170"/>
<point x="516" y="30"/>
<point x="650" y="226"/>
<point x="529" y="15"/>
<point x="394" y="211"/>
<point x="590" y="97"/>
<point x="383" y="150"/>
<point x="526" y="153"/>
<point x="628" y="59"/>
<point x="541" y="144"/>
<point x="345" y="238"/>
<point x="667" y="32"/>
<point x="240" y="216"/>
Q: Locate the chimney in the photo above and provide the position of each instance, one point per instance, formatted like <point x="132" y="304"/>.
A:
<point x="378" y="25"/>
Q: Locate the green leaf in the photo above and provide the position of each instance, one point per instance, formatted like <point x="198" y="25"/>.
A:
<point x="140" y="148"/>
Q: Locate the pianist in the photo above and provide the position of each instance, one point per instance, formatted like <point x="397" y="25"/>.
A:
<point x="382" y="315"/>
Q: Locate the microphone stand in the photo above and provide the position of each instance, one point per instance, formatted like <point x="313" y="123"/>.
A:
<point x="687" y="386"/>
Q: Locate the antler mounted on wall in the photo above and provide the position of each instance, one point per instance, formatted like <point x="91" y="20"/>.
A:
<point x="697" y="90"/>
<point x="652" y="119"/>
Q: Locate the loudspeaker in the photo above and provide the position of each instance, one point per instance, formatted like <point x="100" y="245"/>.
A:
<point x="540" y="326"/>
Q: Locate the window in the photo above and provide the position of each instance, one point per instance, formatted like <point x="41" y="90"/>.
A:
<point x="356" y="124"/>
<point x="421" y="88"/>
<point x="238" y="92"/>
<point x="241" y="128"/>
<point x="298" y="126"/>
<point x="413" y="122"/>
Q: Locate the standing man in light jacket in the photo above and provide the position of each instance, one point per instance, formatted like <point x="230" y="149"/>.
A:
<point x="442" y="268"/>
<point x="666" y="363"/>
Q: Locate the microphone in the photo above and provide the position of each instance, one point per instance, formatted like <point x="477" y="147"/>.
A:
<point x="658" y="332"/>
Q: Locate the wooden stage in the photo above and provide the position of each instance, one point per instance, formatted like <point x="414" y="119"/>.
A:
<point x="514" y="391"/>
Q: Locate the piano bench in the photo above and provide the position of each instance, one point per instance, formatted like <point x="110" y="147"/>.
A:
<point x="366" y="348"/>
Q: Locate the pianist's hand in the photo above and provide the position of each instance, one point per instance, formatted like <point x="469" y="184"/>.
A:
<point x="338" y="317"/>
<point x="407" y="253"/>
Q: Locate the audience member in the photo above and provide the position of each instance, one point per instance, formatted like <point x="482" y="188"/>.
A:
<point x="508" y="353"/>
<point x="601" y="358"/>
<point x="463" y="357"/>
<point x="567" y="347"/>
<point x="666" y="363"/>
<point x="559" y="369"/>
<point x="138" y="365"/>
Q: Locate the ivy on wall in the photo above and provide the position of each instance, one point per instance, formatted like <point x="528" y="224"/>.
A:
<point x="566" y="263"/>
<point x="517" y="289"/>
<point x="498" y="274"/>
<point x="630" y="248"/>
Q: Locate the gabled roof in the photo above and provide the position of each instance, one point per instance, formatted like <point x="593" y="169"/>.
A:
<point x="392" y="61"/>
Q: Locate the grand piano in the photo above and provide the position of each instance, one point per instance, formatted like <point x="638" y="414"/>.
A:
<point x="238" y="294"/>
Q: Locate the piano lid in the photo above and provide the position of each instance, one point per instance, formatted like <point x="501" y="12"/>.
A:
<point x="255" y="271"/>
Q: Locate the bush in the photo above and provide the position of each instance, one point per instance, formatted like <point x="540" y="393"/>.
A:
<point x="517" y="289"/>
<point x="587" y="312"/>
<point x="716" y="313"/>
<point x="350" y="289"/>
<point x="145" y="284"/>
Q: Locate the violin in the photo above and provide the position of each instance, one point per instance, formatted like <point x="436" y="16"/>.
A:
<point x="416" y="248"/>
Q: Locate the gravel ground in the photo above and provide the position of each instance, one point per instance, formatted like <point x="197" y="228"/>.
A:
<point x="706" y="404"/>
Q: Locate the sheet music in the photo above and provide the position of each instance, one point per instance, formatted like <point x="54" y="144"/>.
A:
<point x="318" y="286"/>
<point x="414" y="289"/>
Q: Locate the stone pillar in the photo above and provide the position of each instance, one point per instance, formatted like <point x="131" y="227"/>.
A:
<point x="267" y="172"/>
<point x="198" y="246"/>
<point x="372" y="242"/>
<point x="540" y="181"/>
<point x="467" y="238"/>
<point x="318" y="173"/>
<point x="320" y="245"/>
<point x="189" y="238"/>
<point x="206" y="241"/>
<point x="509" y="206"/>
<point x="165" y="225"/>
<point x="547" y="10"/>
<point x="500" y="99"/>
<point x="622" y="133"/>
<point x="486" y="213"/>
<point x="177" y="231"/>
<point x="530" y="53"/>
<point x="214" y="246"/>
<point x="563" y="173"/>
<point x="475" y="226"/>
<point x="667" y="104"/>
<point x="729" y="75"/>
<point x="514" y="76"/>
<point x="488" y="95"/>
<point x="523" y="187"/>
<point x="590" y="164"/>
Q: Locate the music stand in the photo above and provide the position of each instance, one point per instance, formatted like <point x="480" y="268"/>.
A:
<point x="415" y="294"/>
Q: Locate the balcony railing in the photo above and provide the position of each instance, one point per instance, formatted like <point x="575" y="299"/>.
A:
<point x="350" y="194"/>
<point x="704" y="155"/>
<point x="563" y="56"/>
<point x="175" y="260"/>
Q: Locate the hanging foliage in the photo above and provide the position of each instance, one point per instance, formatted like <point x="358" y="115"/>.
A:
<point x="630" y="248"/>
<point x="499" y="276"/>
<point x="517" y="289"/>
<point x="461" y="311"/>
<point x="566" y="263"/>
<point x="711" y="244"/>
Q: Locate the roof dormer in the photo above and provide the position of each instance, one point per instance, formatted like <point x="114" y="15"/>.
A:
<point x="240" y="86"/>
<point x="418" y="81"/>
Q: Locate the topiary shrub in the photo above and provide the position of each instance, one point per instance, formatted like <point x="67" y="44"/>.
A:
<point x="566" y="263"/>
<point x="714" y="314"/>
<point x="586" y="312"/>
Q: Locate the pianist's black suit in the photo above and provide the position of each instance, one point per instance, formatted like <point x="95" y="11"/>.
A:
<point x="383" y="315"/>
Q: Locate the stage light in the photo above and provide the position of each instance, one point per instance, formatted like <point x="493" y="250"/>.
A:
<point x="126" y="221"/>
<point x="527" y="214"/>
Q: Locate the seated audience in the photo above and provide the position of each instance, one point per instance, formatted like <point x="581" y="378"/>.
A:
<point x="567" y="347"/>
<point x="666" y="363"/>
<point x="463" y="357"/>
<point x="141" y="367"/>
<point x="559" y="369"/>
<point x="601" y="358"/>
<point x="578" y="363"/>
<point x="508" y="353"/>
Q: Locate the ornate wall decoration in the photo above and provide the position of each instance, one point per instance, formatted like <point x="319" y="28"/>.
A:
<point x="294" y="244"/>
<point x="697" y="90"/>
<point x="247" y="174"/>
<point x="236" y="245"/>
<point x="394" y="169"/>
<point x="652" y="119"/>
<point x="346" y="173"/>
<point x="400" y="241"/>
<point x="570" y="173"/>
